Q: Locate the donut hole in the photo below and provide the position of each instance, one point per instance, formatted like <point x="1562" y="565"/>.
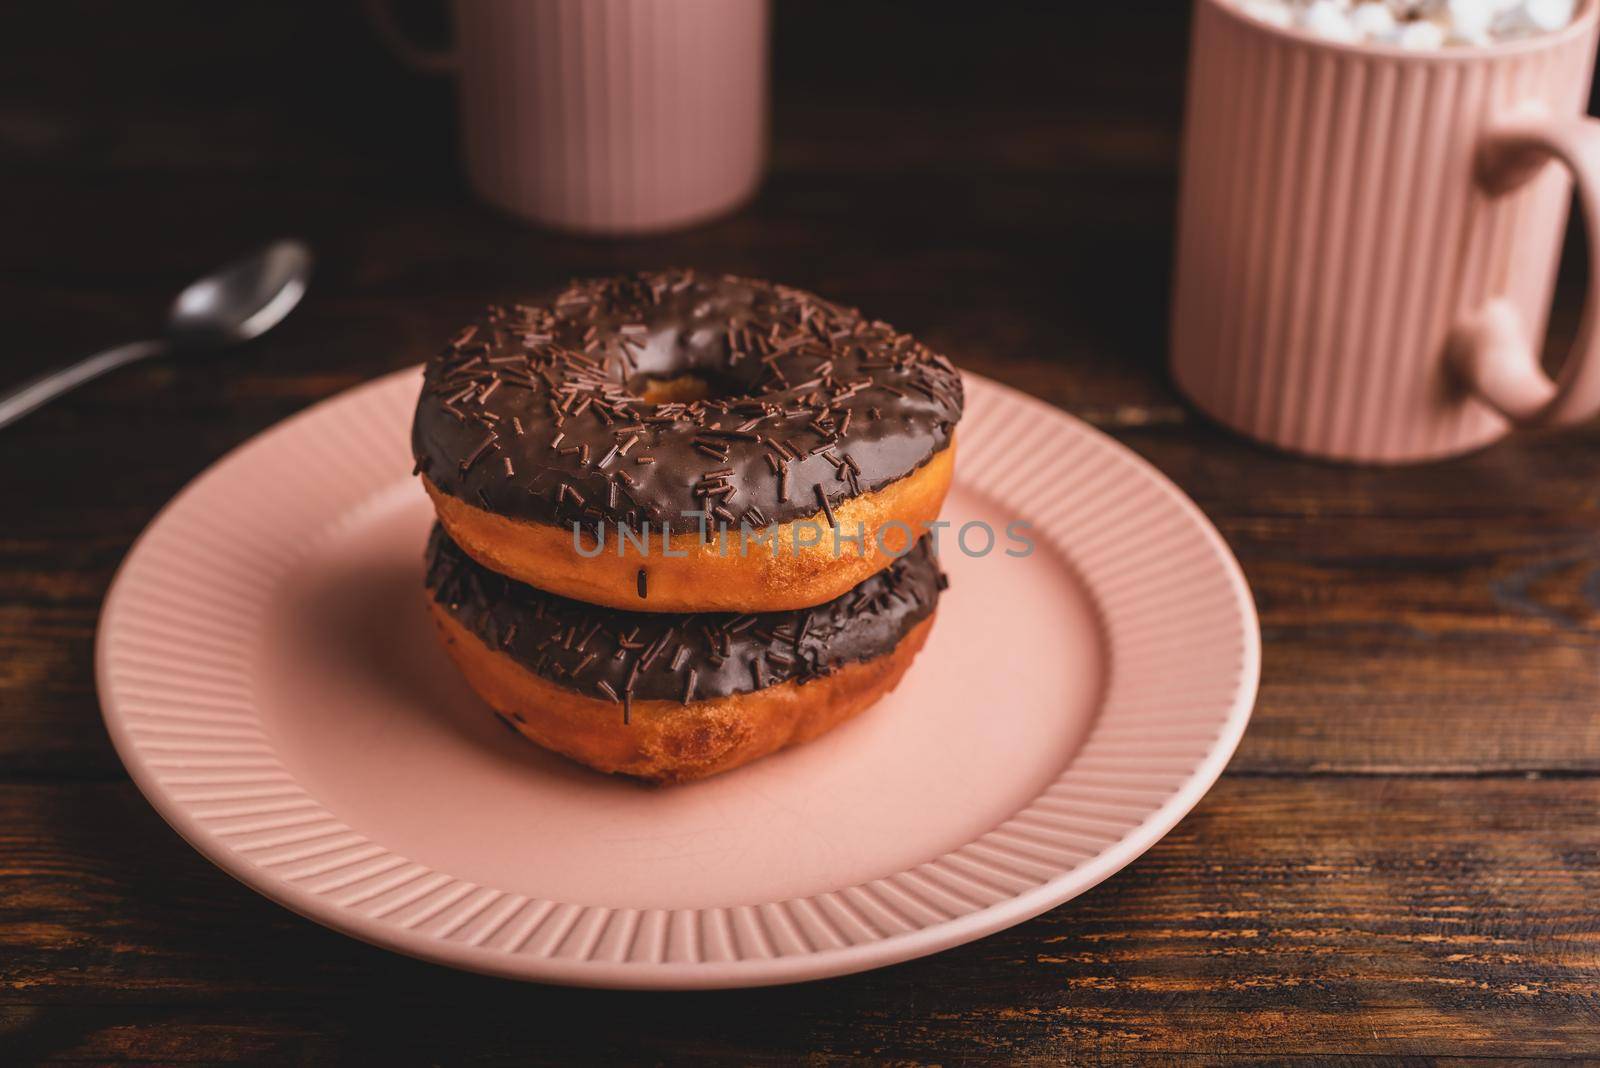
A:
<point x="682" y="388"/>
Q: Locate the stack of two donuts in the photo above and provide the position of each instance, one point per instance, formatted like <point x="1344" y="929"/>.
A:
<point x="681" y="519"/>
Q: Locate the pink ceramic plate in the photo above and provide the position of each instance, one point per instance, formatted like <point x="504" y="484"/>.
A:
<point x="270" y="679"/>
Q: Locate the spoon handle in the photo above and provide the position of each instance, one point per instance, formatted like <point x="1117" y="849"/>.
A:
<point x="18" y="402"/>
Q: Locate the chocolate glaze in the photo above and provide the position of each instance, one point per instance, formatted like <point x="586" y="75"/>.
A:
<point x="535" y="411"/>
<point x="628" y="656"/>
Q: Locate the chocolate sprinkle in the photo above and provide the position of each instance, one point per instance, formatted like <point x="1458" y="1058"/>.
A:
<point x="822" y="501"/>
<point x="476" y="454"/>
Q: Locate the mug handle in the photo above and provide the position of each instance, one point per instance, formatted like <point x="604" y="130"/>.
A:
<point x="408" y="52"/>
<point x="1491" y="350"/>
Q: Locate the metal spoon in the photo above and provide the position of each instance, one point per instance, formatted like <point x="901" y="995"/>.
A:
<point x="239" y="302"/>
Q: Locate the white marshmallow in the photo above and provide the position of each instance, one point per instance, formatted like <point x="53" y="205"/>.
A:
<point x="1470" y="19"/>
<point x="1416" y="24"/>
<point x="1273" y="12"/>
<point x="1421" y="36"/>
<point x="1327" y="19"/>
<point x="1372" y="20"/>
<point x="1548" y="15"/>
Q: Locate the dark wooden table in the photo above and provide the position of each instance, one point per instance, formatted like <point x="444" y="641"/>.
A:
<point x="1403" y="858"/>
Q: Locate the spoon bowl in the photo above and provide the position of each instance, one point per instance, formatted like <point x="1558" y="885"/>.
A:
<point x="243" y="300"/>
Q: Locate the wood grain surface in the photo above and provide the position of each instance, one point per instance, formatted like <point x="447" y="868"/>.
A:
<point x="1403" y="860"/>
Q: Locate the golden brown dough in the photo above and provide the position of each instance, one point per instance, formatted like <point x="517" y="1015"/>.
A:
<point x="665" y="741"/>
<point x="704" y="579"/>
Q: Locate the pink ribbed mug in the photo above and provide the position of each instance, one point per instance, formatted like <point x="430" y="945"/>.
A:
<point x="1368" y="237"/>
<point x="606" y="116"/>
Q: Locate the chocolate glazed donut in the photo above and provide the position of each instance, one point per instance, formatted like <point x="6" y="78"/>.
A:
<point x="670" y="697"/>
<point x="686" y="404"/>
